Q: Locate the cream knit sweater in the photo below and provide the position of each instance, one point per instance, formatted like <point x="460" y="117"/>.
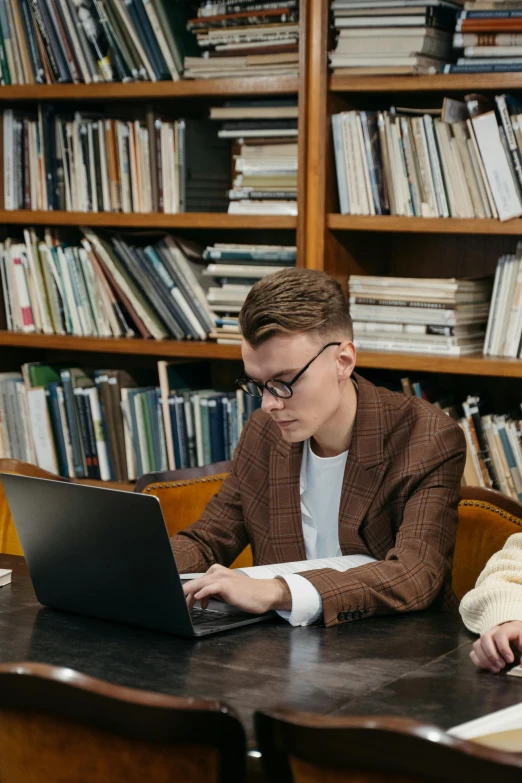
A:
<point x="497" y="596"/>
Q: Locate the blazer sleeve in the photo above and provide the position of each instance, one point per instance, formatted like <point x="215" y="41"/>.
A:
<point x="419" y="565"/>
<point x="219" y="535"/>
<point x="497" y="596"/>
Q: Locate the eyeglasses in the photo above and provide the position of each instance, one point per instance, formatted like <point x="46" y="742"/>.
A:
<point x="281" y="389"/>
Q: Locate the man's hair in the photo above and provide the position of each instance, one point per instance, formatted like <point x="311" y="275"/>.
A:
<point x="293" y="301"/>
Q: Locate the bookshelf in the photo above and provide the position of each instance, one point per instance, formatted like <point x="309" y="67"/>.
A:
<point x="326" y="240"/>
<point x="405" y="246"/>
<point x="129" y="220"/>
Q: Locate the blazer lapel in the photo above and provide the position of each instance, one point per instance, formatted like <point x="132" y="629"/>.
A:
<point x="365" y="468"/>
<point x="286" y="529"/>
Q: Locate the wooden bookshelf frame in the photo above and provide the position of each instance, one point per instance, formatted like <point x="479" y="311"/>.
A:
<point x="339" y="244"/>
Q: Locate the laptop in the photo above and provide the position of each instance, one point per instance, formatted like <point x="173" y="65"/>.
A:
<point x="106" y="553"/>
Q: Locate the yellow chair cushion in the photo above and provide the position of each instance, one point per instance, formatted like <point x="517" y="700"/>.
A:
<point x="482" y="530"/>
<point x="183" y="502"/>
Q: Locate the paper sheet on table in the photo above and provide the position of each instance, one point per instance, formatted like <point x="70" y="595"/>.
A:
<point x="501" y="730"/>
<point x="343" y="563"/>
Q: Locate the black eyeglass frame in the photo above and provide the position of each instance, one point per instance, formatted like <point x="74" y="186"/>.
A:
<point x="261" y="386"/>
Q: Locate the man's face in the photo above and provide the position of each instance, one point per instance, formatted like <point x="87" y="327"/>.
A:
<point x="316" y="394"/>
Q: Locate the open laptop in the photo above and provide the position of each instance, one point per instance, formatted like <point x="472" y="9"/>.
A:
<point x="106" y="553"/>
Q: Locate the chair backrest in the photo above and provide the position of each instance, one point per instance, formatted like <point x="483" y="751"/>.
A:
<point x="303" y="748"/>
<point x="9" y="542"/>
<point x="486" y="520"/>
<point x="58" y="724"/>
<point x="183" y="495"/>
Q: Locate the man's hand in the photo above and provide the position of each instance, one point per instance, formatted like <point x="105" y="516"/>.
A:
<point x="492" y="651"/>
<point x="250" y="595"/>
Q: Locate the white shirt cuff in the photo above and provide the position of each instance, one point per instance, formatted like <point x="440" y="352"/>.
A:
<point x="307" y="605"/>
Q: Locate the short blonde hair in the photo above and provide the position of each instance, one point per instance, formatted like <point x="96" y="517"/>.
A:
<point x="292" y="301"/>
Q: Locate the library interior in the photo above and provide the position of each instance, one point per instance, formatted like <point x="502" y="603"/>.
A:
<point x="260" y="310"/>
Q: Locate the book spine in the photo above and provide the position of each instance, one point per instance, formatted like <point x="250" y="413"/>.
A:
<point x="72" y="422"/>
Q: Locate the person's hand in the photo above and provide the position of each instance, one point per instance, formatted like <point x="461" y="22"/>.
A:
<point x="250" y="595"/>
<point x="492" y="651"/>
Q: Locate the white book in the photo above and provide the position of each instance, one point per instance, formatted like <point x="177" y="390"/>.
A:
<point x="398" y="346"/>
<point x="442" y="134"/>
<point x="493" y="310"/>
<point x="505" y="298"/>
<point x="496" y="165"/>
<point x="27" y="435"/>
<point x="364" y="164"/>
<point x="501" y="729"/>
<point x="130" y="454"/>
<point x="514" y="328"/>
<point x="42" y="435"/>
<point x="428" y="185"/>
<point x="347" y="139"/>
<point x="5" y="576"/>
<point x="19" y="279"/>
<point x="165" y="410"/>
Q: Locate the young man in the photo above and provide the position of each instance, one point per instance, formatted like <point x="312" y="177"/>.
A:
<point x="331" y="465"/>
<point x="494" y="608"/>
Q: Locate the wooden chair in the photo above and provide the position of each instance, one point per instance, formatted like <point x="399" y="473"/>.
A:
<point x="303" y="748"/>
<point x="183" y="495"/>
<point x="9" y="542"/>
<point x="486" y="520"/>
<point x="58" y="724"/>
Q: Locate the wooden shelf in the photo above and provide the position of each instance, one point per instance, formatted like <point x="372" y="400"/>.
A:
<point x="189" y="88"/>
<point x="418" y="225"/>
<point x="129" y="220"/>
<point x="451" y="82"/>
<point x="134" y="347"/>
<point x="466" y="365"/>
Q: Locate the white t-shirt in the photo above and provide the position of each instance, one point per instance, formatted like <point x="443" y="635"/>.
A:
<point x="321" y="483"/>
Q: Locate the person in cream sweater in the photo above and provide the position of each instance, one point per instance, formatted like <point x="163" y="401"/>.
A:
<point x="494" y="608"/>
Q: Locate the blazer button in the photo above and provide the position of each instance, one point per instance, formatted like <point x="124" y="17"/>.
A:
<point x="340" y="616"/>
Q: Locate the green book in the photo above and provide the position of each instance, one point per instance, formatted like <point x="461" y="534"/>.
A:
<point x="39" y="374"/>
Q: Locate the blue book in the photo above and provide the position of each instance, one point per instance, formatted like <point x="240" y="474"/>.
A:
<point x="174" y="426"/>
<point x="73" y="424"/>
<point x="56" y="427"/>
<point x="217" y="434"/>
<point x="509" y="454"/>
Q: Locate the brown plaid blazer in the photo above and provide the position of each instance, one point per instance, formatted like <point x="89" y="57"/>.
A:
<point x="398" y="504"/>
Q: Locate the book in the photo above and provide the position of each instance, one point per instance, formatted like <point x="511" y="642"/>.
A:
<point x="5" y="576"/>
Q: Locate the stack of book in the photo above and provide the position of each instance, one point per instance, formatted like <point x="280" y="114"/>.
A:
<point x="386" y="37"/>
<point x="101" y="424"/>
<point x="504" y="331"/>
<point x="488" y="37"/>
<point x="48" y="41"/>
<point x="265" y="157"/>
<point x="494" y="441"/>
<point x="462" y="162"/>
<point x="107" y="286"/>
<point x="246" y="37"/>
<point x="92" y="163"/>
<point x="416" y="315"/>
<point x="236" y="268"/>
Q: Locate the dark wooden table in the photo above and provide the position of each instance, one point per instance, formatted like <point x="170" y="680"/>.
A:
<point x="416" y="665"/>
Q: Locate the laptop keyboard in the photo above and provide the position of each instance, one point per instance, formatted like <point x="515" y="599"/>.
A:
<point x="199" y="616"/>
